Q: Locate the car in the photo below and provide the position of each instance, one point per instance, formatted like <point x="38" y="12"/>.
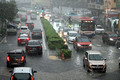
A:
<point x="34" y="46"/>
<point x="64" y="32"/>
<point x="94" y="61"/>
<point x="30" y="25"/>
<point x="82" y="43"/>
<point x="23" y="18"/>
<point x="71" y="36"/>
<point x="16" y="57"/>
<point x="33" y="16"/>
<point x="117" y="43"/>
<point x="11" y="28"/>
<point x="76" y="27"/>
<point x="23" y="38"/>
<point x="99" y="29"/>
<point x="17" y="22"/>
<point x="24" y="29"/>
<point x="37" y="33"/>
<point x="22" y="73"/>
<point x="109" y="38"/>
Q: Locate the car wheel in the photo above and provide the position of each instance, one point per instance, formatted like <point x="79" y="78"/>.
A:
<point x="39" y="53"/>
<point x="83" y="64"/>
<point x="8" y="65"/>
<point x="104" y="71"/>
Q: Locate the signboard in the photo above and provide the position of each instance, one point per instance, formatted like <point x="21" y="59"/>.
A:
<point x="117" y="3"/>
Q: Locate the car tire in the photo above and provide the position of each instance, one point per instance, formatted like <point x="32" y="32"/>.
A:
<point x="104" y="71"/>
<point x="39" y="53"/>
<point x="8" y="65"/>
<point x="83" y="64"/>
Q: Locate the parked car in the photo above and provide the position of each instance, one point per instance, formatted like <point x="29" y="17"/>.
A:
<point x="16" y="57"/>
<point x="109" y="37"/>
<point x="23" y="18"/>
<point x="34" y="46"/>
<point x="37" y="33"/>
<point x="117" y="43"/>
<point x="22" y="73"/>
<point x="71" y="35"/>
<point x="17" y="22"/>
<point x="33" y="16"/>
<point x="23" y="38"/>
<point x="93" y="61"/>
<point x="30" y="25"/>
<point x="99" y="29"/>
<point x="11" y="28"/>
<point x="82" y="43"/>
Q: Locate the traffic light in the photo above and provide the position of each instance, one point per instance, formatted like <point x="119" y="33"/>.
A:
<point x="42" y="10"/>
<point x="35" y="7"/>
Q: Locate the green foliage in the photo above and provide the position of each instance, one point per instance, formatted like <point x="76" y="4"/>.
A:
<point x="8" y="10"/>
<point x="54" y="41"/>
<point x="67" y="53"/>
<point x="65" y="46"/>
<point x="3" y="32"/>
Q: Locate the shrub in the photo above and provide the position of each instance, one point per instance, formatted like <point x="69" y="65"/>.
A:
<point x="67" y="53"/>
<point x="54" y="41"/>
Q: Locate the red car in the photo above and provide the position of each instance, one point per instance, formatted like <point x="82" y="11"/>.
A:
<point x="82" y="43"/>
<point x="23" y="39"/>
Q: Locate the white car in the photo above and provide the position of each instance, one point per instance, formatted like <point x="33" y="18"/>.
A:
<point x="71" y="35"/>
<point x="24" y="29"/>
<point x="99" y="29"/>
<point x="22" y="73"/>
<point x="93" y="61"/>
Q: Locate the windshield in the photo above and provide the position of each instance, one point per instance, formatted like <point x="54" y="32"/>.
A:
<point x="83" y="39"/>
<point x="113" y="35"/>
<point x="73" y="34"/>
<point x="22" y="76"/>
<point x="95" y="57"/>
<point x="87" y="26"/>
<point x="34" y="43"/>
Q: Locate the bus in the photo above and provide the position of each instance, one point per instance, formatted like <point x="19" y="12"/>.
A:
<point x="87" y="25"/>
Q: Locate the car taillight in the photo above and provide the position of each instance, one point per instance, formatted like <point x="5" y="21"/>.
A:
<point x="18" y="39"/>
<point x="31" y="77"/>
<point x="40" y="32"/>
<point x="32" y="33"/>
<point x="29" y="48"/>
<point x="28" y="39"/>
<point x="19" y="24"/>
<point x="11" y="78"/>
<point x="32" y="24"/>
<point x="40" y="47"/>
<point x="8" y="58"/>
<point x="22" y="58"/>
<point x="26" y="24"/>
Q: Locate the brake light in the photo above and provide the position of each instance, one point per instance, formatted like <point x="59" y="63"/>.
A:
<point x="19" y="24"/>
<point x="32" y="33"/>
<point x="28" y="47"/>
<point x="8" y="58"/>
<point x="31" y="77"/>
<point x="22" y="58"/>
<point x="11" y="78"/>
<point x="40" y="47"/>
<point x="26" y="24"/>
<point x="32" y="24"/>
<point x="18" y="39"/>
<point x="28" y="39"/>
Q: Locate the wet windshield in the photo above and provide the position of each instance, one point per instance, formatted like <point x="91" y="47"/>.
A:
<point x="73" y="34"/>
<point x="113" y="35"/>
<point x="83" y="39"/>
<point x="95" y="57"/>
<point x="22" y="76"/>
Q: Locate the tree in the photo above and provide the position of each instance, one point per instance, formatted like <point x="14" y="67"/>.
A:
<point x="8" y="11"/>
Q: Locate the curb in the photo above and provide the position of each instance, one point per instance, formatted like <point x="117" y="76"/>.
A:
<point x="3" y="40"/>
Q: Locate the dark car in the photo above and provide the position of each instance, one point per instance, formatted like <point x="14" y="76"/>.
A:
<point x="33" y="46"/>
<point x="82" y="43"/>
<point x="23" y="38"/>
<point x="23" y="18"/>
<point x="37" y="33"/>
<point x="16" y="57"/>
<point x="33" y="16"/>
<point x="109" y="37"/>
<point x="117" y="44"/>
<point x="30" y="25"/>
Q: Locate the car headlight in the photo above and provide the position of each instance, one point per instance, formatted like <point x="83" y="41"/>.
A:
<point x="90" y="64"/>
<point x="111" y="39"/>
<point x="90" y="45"/>
<point x="78" y="45"/>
